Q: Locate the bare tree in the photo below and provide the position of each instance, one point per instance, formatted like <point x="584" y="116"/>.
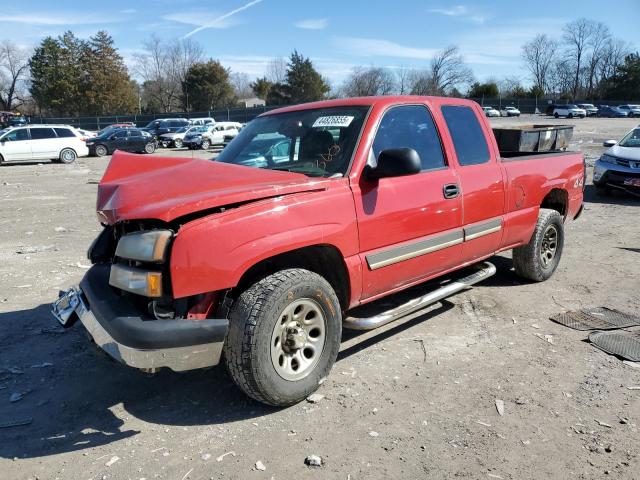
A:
<point x="367" y="82"/>
<point x="613" y="55"/>
<point x="510" y="87"/>
<point x="403" y="80"/>
<point x="578" y="35"/>
<point x="14" y="69"/>
<point x="447" y="71"/>
<point x="600" y="38"/>
<point x="276" y="71"/>
<point x="539" y="56"/>
<point x="561" y="77"/>
<point x="163" y="68"/>
<point x="241" y="85"/>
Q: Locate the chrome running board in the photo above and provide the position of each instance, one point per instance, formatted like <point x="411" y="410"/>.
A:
<point x="485" y="271"/>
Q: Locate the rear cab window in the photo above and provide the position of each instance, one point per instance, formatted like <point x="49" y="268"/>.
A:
<point x="411" y="126"/>
<point x="468" y="137"/>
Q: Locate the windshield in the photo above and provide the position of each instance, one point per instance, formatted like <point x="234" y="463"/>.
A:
<point x="182" y="130"/>
<point x="317" y="143"/>
<point x="571" y="106"/>
<point x="198" y="129"/>
<point x="631" y="139"/>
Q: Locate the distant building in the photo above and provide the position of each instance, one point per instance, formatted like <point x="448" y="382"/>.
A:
<point x="251" y="102"/>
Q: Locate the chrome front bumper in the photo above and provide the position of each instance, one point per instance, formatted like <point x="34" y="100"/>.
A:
<point x="140" y="343"/>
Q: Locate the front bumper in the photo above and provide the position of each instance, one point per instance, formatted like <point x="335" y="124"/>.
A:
<point x="116" y="327"/>
<point x="616" y="176"/>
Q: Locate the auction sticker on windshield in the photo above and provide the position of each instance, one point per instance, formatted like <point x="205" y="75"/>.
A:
<point x="333" y="121"/>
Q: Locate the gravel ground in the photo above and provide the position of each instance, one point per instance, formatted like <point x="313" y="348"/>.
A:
<point x="417" y="400"/>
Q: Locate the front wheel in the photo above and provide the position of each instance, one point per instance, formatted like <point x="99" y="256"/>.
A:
<point x="538" y="259"/>
<point x="556" y="115"/>
<point x="205" y="144"/>
<point x="177" y="143"/>
<point x="284" y="336"/>
<point x="149" y="147"/>
<point x="101" y="151"/>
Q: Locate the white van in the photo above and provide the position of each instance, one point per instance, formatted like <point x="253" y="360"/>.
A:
<point x="201" y="121"/>
<point x="60" y="143"/>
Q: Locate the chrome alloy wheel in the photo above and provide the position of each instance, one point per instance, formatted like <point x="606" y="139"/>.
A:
<point x="549" y="245"/>
<point x="298" y="339"/>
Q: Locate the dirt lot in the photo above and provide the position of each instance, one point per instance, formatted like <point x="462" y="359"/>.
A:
<point x="415" y="401"/>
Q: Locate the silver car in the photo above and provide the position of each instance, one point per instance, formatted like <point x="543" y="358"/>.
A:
<point x="619" y="165"/>
<point x="632" y="110"/>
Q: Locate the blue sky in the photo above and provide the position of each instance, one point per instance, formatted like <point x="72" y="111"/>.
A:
<point x="337" y="34"/>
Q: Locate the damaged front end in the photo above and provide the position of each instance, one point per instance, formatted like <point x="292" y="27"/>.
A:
<point x="125" y="303"/>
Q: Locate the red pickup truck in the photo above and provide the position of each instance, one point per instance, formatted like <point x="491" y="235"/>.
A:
<point x="262" y="256"/>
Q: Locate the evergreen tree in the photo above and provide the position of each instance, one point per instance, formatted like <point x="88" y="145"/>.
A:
<point x="625" y="83"/>
<point x="304" y="83"/>
<point x="207" y="86"/>
<point x="261" y="88"/>
<point x="108" y="88"/>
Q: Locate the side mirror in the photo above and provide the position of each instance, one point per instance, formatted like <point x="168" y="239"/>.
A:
<point x="395" y="162"/>
<point x="609" y="143"/>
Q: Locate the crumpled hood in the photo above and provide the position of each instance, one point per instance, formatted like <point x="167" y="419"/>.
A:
<point x="165" y="188"/>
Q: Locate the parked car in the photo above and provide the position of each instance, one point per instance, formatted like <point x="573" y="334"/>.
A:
<point x="12" y="119"/>
<point x="84" y="134"/>
<point x="113" y="128"/>
<point x="165" y="125"/>
<point x="262" y="263"/>
<point x="569" y="111"/>
<point x="125" y="139"/>
<point x="591" y="110"/>
<point x="510" y="112"/>
<point x="60" y="143"/>
<point x="201" y="121"/>
<point x="174" y="139"/>
<point x="631" y="110"/>
<point x="198" y="137"/>
<point x="490" y="111"/>
<point x="224" y="130"/>
<point x="611" y="112"/>
<point x="619" y="165"/>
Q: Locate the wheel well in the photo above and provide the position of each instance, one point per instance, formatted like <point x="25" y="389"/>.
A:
<point x="557" y="199"/>
<point x="325" y="260"/>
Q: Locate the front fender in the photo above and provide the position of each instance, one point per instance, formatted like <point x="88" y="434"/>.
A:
<point x="212" y="253"/>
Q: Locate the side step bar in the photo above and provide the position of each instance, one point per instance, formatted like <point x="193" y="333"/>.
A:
<point x="485" y="271"/>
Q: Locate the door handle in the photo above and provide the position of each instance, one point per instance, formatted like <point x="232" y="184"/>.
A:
<point x="451" y="190"/>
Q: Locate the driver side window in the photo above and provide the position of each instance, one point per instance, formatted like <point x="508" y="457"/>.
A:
<point x="410" y="126"/>
<point x="17" y="135"/>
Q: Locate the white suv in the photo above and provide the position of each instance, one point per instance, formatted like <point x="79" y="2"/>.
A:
<point x="569" y="111"/>
<point x="60" y="143"/>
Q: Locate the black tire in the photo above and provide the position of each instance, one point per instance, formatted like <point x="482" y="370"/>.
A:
<point x="205" y="144"/>
<point x="177" y="143"/>
<point x="1" y="160"/>
<point x="101" y="151"/>
<point x="570" y="115"/>
<point x="528" y="259"/>
<point x="631" y="115"/>
<point x="67" y="155"/>
<point x="254" y="318"/>
<point x="150" y="147"/>
<point x="556" y="115"/>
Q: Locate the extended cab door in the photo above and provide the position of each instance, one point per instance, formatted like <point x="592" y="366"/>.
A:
<point x="481" y="181"/>
<point x="410" y="227"/>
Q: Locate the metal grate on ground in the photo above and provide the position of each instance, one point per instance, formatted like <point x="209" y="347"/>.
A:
<point x="621" y="344"/>
<point x="599" y="318"/>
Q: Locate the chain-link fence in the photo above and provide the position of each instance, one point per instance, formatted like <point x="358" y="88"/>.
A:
<point x="243" y="115"/>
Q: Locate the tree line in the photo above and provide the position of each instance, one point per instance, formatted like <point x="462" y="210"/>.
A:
<point x="68" y="76"/>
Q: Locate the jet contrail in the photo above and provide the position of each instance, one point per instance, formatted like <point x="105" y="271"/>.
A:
<point x="223" y="17"/>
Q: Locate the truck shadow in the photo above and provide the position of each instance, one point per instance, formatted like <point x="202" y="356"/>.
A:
<point x="615" y="197"/>
<point x="72" y="399"/>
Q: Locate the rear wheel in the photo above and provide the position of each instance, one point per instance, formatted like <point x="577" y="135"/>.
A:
<point x="67" y="155"/>
<point x="570" y="115"/>
<point x="556" y="115"/>
<point x="284" y="336"/>
<point x="1" y="160"/>
<point x="101" y="151"/>
<point x="538" y="259"/>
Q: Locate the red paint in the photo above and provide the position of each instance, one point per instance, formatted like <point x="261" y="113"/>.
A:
<point x="274" y="211"/>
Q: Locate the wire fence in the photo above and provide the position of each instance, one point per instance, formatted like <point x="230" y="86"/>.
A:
<point x="246" y="114"/>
